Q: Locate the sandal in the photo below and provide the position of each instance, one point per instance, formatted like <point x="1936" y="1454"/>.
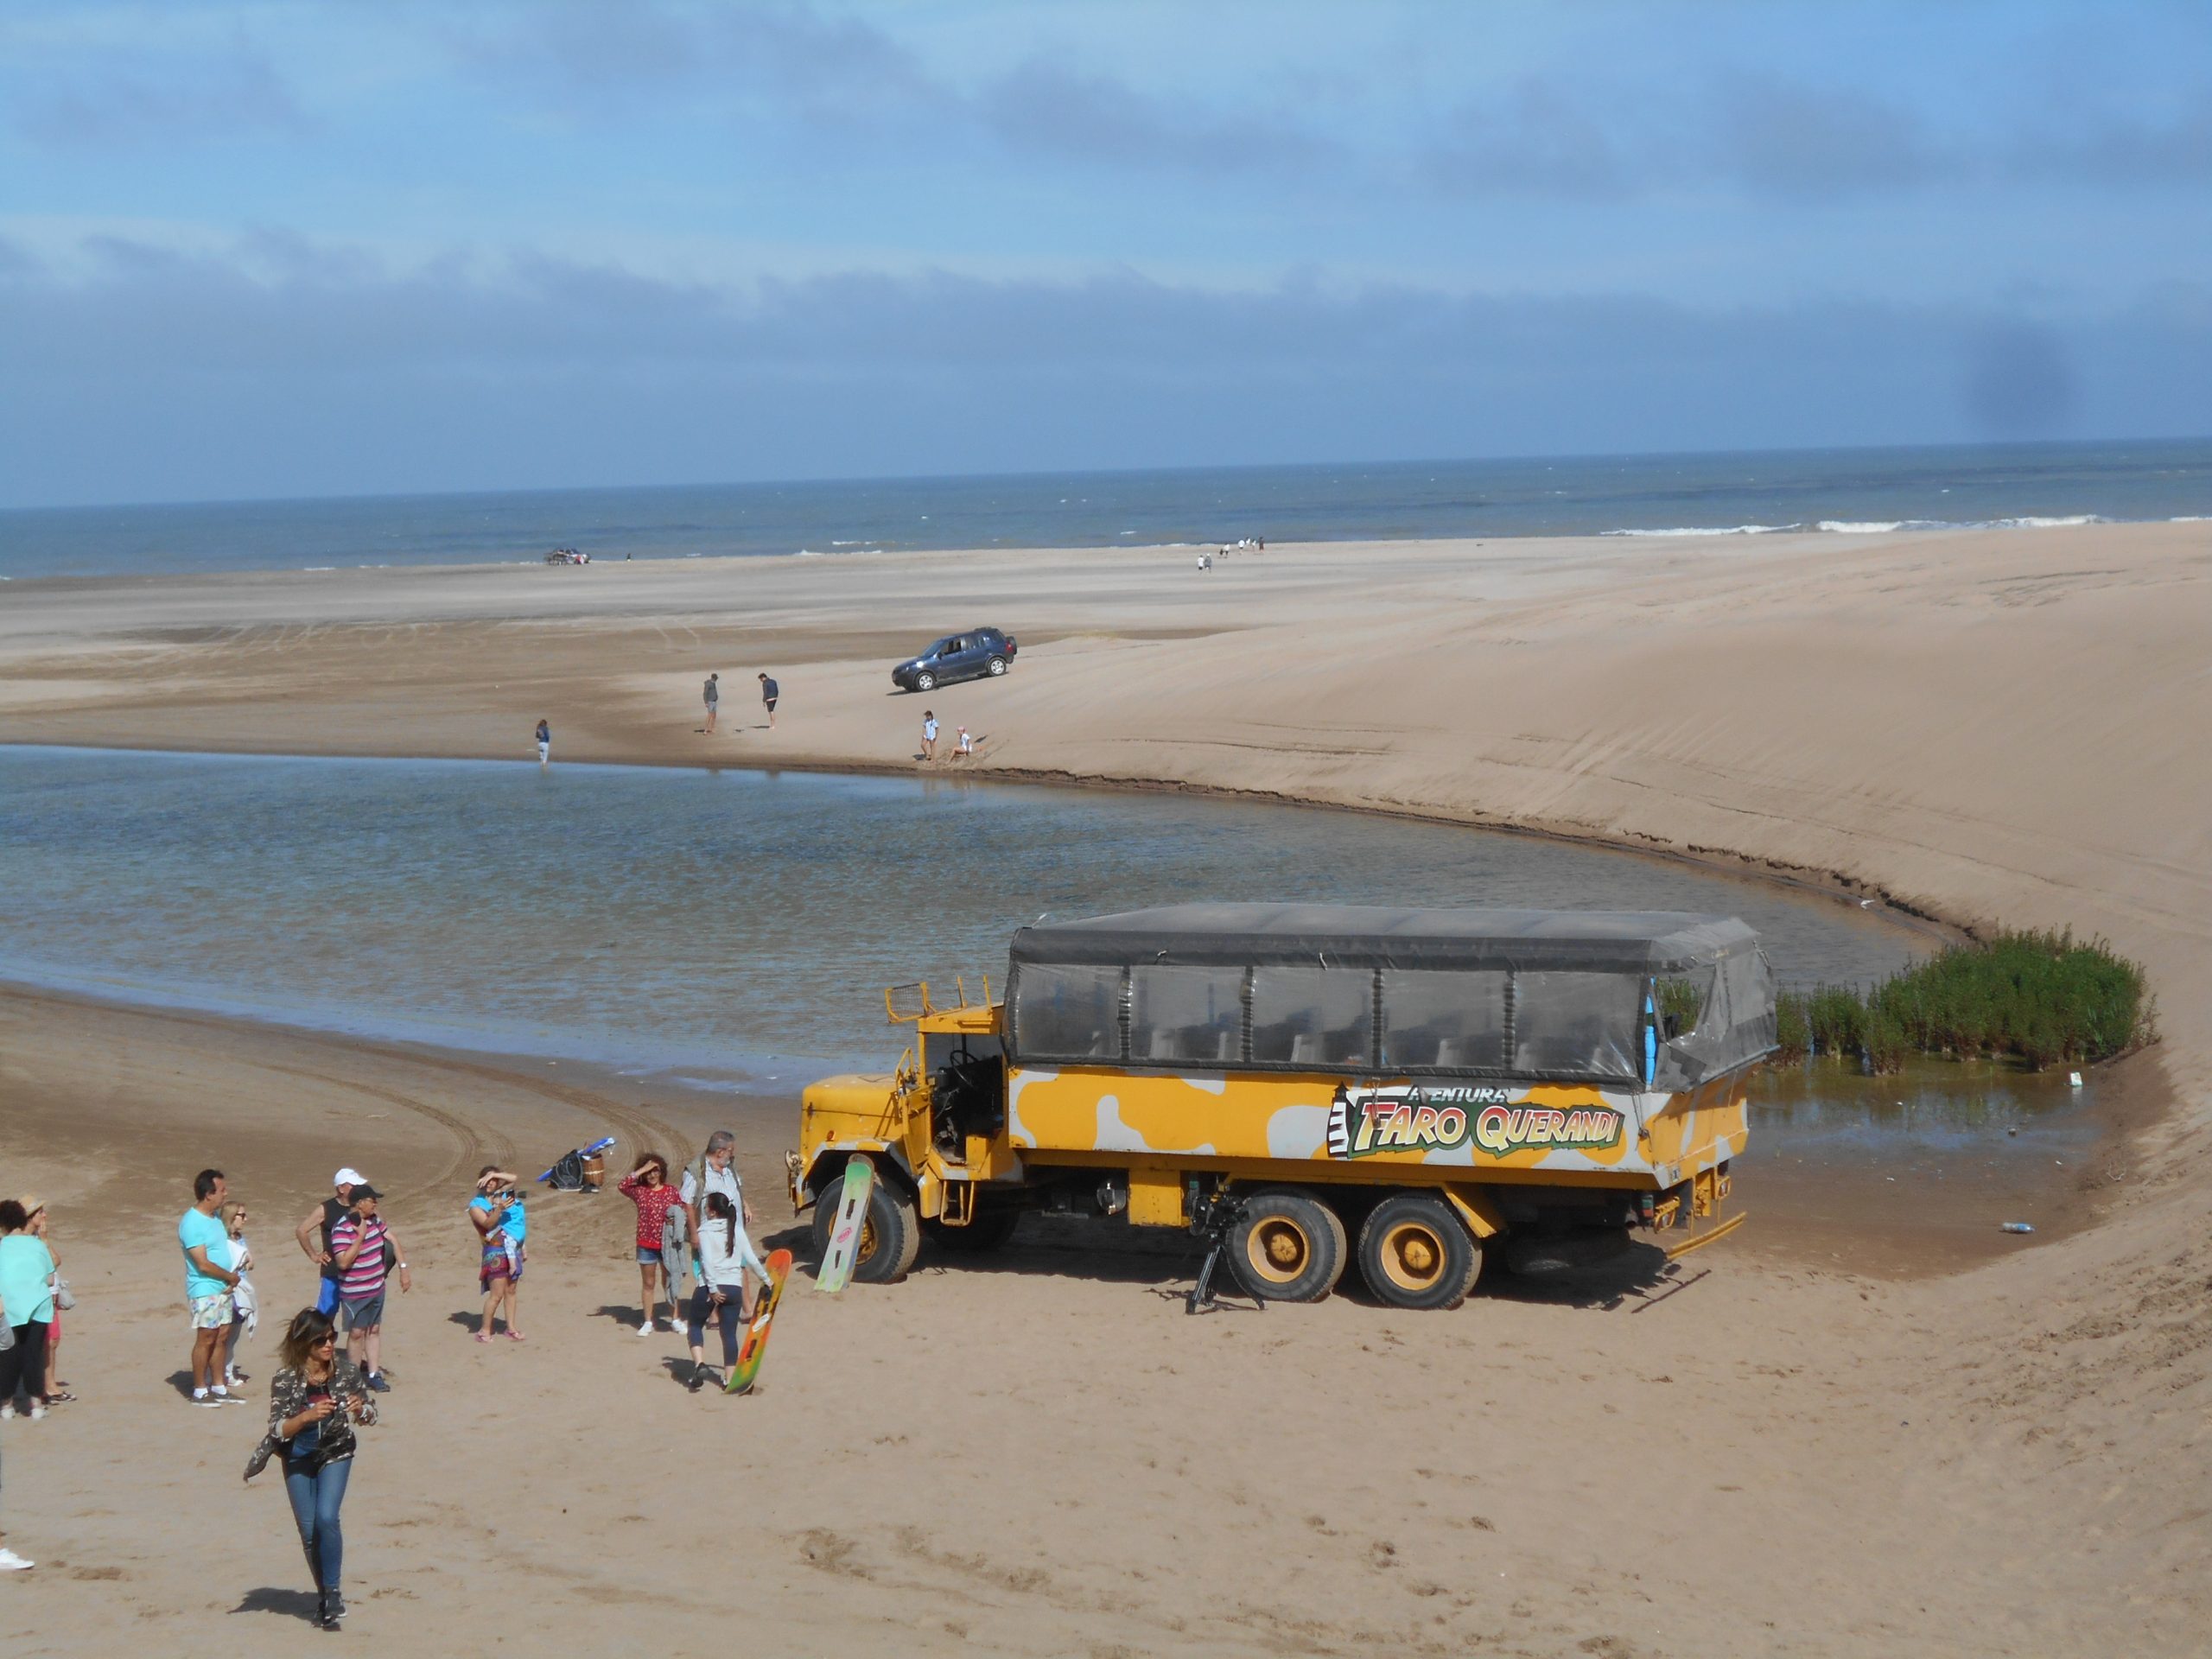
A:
<point x="60" y="1397"/>
<point x="483" y="1336"/>
<point x="517" y="1336"/>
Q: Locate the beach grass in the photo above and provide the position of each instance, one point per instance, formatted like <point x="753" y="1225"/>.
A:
<point x="2042" y="998"/>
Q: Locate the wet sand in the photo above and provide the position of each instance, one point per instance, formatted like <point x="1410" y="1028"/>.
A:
<point x="1033" y="1456"/>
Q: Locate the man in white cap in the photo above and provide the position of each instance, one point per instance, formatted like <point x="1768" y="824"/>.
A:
<point x="314" y="1235"/>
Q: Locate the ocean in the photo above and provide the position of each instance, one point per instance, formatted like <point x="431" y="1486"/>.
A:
<point x="1838" y="492"/>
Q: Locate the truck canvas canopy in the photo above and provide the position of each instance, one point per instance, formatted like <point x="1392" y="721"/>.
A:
<point x="1643" y="999"/>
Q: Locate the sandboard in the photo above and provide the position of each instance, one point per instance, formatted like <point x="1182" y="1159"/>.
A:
<point x="754" y="1347"/>
<point x="844" y="1251"/>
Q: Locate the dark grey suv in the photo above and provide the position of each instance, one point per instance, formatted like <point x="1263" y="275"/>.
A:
<point x="967" y="655"/>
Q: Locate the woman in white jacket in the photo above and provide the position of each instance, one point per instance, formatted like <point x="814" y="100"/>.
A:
<point x="726" y="1255"/>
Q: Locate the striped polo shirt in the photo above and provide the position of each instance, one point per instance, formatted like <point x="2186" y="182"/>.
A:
<point x="366" y="1276"/>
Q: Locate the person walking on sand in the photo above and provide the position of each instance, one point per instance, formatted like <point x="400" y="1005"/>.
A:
<point x="647" y="1187"/>
<point x="27" y="1304"/>
<point x="314" y="1235"/>
<point x="769" y="693"/>
<point x="712" y="694"/>
<point x="928" y="735"/>
<point x="208" y="1285"/>
<point x="367" y="1253"/>
<point x="245" y="1307"/>
<point x="314" y="1401"/>
<point x="500" y="1275"/>
<point x="544" y="742"/>
<point x="726" y="1257"/>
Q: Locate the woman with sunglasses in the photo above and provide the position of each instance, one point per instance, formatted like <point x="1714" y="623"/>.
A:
<point x="313" y="1402"/>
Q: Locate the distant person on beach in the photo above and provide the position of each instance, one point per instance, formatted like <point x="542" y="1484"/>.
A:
<point x="366" y="1254"/>
<point x="725" y="1256"/>
<point x="769" y="693"/>
<point x="314" y="1401"/>
<point x="38" y="1221"/>
<point x="965" y="748"/>
<point x="500" y="1275"/>
<point x="647" y="1187"/>
<point x="208" y="1285"/>
<point x="27" y="1304"/>
<point x="928" y="733"/>
<point x="713" y="695"/>
<point x="314" y="1234"/>
<point x="544" y="742"/>
<point x="238" y="1258"/>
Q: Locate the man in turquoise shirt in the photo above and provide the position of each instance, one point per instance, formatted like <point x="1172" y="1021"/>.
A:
<point x="208" y="1286"/>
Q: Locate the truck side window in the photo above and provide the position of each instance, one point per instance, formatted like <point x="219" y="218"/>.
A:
<point x="1569" y="1025"/>
<point x="1067" y="1012"/>
<point x="1186" y="1014"/>
<point x="1445" y="1021"/>
<point x="1322" y="1017"/>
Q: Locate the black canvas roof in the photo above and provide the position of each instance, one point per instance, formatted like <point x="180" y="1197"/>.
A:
<point x="1381" y="935"/>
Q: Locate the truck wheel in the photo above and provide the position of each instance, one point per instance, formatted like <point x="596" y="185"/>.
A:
<point x="1288" y="1246"/>
<point x="891" y="1235"/>
<point x="1415" y="1252"/>
<point x="993" y="1226"/>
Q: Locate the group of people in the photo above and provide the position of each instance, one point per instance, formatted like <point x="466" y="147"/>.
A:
<point x="963" y="746"/>
<point x="697" y="1230"/>
<point x="711" y="695"/>
<point x="330" y="1358"/>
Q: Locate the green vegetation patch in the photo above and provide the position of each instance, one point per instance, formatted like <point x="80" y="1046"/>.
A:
<point x="2042" y="998"/>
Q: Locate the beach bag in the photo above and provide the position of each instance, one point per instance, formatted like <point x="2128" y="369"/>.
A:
<point x="567" y="1174"/>
<point x="64" y="1298"/>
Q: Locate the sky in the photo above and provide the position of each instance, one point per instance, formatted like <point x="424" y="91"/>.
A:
<point x="368" y="247"/>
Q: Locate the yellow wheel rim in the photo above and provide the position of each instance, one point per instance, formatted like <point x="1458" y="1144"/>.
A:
<point x="868" y="1241"/>
<point x="1279" y="1249"/>
<point x="1413" y="1255"/>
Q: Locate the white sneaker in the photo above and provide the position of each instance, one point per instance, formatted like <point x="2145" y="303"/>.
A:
<point x="7" y="1410"/>
<point x="38" y="1409"/>
<point x="11" y="1562"/>
<point x="644" y="1329"/>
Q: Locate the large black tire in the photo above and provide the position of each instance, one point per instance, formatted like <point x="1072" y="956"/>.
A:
<point x="925" y="681"/>
<point x="1415" y="1252"/>
<point x="890" y="1238"/>
<point x="993" y="1226"/>
<point x="1287" y="1246"/>
<point x="997" y="667"/>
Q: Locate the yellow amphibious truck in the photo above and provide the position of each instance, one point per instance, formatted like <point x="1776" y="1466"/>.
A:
<point x="1317" y="1083"/>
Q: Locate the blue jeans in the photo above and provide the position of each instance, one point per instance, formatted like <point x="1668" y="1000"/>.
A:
<point x="702" y="1308"/>
<point x="315" y="1495"/>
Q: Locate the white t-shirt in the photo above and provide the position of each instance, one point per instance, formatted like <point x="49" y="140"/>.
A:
<point x="928" y="730"/>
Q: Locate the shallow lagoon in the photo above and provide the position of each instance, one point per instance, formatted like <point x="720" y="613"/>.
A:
<point x="733" y="926"/>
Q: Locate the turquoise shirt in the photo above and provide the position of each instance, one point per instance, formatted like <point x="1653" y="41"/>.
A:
<point x="196" y="1229"/>
<point x="24" y="1264"/>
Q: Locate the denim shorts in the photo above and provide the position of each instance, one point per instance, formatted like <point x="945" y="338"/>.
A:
<point x="648" y="1258"/>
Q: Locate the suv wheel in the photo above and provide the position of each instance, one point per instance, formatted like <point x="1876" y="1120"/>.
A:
<point x="925" y="681"/>
<point x="998" y="666"/>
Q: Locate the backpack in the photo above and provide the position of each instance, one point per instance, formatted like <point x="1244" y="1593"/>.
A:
<point x="567" y="1174"/>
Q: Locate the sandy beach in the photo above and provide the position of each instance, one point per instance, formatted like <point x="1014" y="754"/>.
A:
<point x="1785" y="1450"/>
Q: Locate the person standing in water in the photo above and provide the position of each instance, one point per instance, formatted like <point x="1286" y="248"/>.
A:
<point x="712" y="694"/>
<point x="313" y="1402"/>
<point x="544" y="742"/>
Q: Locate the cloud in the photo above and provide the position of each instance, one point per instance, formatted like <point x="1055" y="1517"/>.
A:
<point x="1041" y="107"/>
<point x="138" y="101"/>
<point x="286" y="370"/>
